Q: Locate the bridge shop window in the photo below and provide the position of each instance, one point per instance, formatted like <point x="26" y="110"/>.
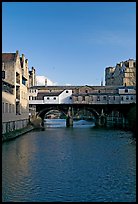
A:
<point x="98" y="98"/>
<point x="132" y="98"/>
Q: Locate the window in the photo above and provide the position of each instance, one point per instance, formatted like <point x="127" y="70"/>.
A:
<point x="83" y="98"/>
<point x="98" y="98"/>
<point x="122" y="98"/>
<point x="132" y="98"/>
<point x="67" y="91"/>
<point x="47" y="98"/>
<point x="98" y="91"/>
<point x="86" y="91"/>
<point x="23" y="81"/>
<point x="3" y="107"/>
<point x="3" y="74"/>
<point x="70" y="98"/>
<point x="126" y="90"/>
<point x="114" y="98"/>
<point x="6" y="108"/>
<point x="13" y="108"/>
<point x="33" y="98"/>
<point x="10" y="110"/>
<point x="127" y="98"/>
<point x="54" y="98"/>
<point x="29" y="97"/>
<point x="104" y="98"/>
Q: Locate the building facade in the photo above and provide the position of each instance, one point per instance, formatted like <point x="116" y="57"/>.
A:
<point x="15" y="84"/>
<point x="123" y="74"/>
<point x="82" y="95"/>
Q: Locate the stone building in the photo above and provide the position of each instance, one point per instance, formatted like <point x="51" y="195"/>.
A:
<point x="123" y="74"/>
<point x="15" y="84"/>
<point x="32" y="77"/>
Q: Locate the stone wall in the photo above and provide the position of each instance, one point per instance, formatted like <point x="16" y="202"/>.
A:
<point x="14" y="125"/>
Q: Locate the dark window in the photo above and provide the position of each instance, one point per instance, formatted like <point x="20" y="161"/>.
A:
<point x="127" y="98"/>
<point x="104" y="98"/>
<point x="131" y="97"/>
<point x="3" y="74"/>
<point x="47" y="98"/>
<point x="70" y="98"/>
<point x="23" y="81"/>
<point x="54" y="98"/>
<point x="99" y="91"/>
<point x="67" y="91"/>
<point x="34" y="98"/>
<point x="98" y="98"/>
<point x="83" y="98"/>
<point x="114" y="98"/>
<point x="126" y="90"/>
<point x="122" y="98"/>
<point x="86" y="91"/>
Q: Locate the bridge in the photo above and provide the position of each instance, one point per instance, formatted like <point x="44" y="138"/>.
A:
<point x="105" y="103"/>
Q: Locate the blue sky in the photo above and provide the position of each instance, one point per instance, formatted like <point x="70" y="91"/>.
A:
<point x="68" y="42"/>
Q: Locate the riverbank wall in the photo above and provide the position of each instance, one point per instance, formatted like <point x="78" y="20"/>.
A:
<point x="16" y="133"/>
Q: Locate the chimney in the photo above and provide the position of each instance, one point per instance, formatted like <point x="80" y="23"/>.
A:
<point x="17" y="52"/>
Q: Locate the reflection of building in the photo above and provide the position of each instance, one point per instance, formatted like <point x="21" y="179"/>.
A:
<point x="15" y="83"/>
<point x="124" y="74"/>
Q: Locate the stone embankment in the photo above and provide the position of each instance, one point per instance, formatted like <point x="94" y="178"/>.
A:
<point x="16" y="133"/>
<point x="35" y="123"/>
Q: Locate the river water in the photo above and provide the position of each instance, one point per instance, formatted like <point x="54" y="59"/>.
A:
<point x="70" y="164"/>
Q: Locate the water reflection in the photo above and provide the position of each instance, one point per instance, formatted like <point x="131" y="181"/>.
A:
<point x="70" y="164"/>
<point x="62" y="123"/>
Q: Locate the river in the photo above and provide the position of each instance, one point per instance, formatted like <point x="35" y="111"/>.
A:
<point x="79" y="164"/>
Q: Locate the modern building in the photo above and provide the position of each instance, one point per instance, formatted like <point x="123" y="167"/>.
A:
<point x="15" y="84"/>
<point x="123" y="74"/>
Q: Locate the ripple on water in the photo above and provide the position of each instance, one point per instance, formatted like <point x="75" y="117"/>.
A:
<point x="77" y="164"/>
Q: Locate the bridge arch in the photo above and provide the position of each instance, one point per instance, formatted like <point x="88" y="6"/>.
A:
<point x="46" y="111"/>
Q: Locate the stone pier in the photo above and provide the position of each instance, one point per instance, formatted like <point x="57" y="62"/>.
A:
<point x="69" y="119"/>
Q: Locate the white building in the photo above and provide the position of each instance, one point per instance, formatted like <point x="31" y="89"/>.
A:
<point x="44" y="81"/>
<point x="62" y="97"/>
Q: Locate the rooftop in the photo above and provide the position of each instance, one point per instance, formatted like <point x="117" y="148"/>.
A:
<point x="8" y="57"/>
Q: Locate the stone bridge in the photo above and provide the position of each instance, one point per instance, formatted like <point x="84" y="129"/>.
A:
<point x="104" y="102"/>
<point x="101" y="113"/>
